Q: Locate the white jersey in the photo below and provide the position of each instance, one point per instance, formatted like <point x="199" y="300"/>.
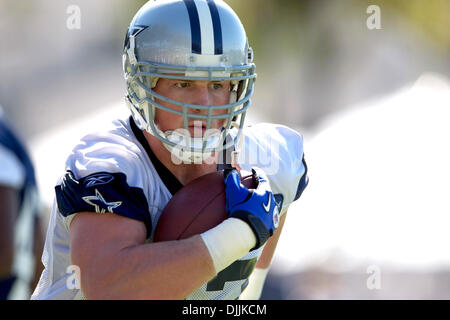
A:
<point x="116" y="171"/>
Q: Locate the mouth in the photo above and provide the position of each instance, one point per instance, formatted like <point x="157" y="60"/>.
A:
<point x="197" y="129"/>
<point x="197" y="124"/>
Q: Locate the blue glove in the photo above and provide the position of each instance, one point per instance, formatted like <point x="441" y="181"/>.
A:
<point x="257" y="206"/>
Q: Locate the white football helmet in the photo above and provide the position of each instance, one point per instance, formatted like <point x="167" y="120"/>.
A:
<point x="188" y="40"/>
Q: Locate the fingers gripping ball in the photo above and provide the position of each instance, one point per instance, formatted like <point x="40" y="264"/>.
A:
<point x="256" y="206"/>
<point x="196" y="208"/>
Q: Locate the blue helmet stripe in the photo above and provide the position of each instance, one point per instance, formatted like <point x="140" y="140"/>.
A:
<point x="195" y="26"/>
<point x="218" y="43"/>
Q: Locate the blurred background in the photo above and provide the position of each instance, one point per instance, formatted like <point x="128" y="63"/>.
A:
<point x="372" y="105"/>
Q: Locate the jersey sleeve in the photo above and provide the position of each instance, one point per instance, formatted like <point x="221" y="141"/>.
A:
<point x="103" y="175"/>
<point x="278" y="150"/>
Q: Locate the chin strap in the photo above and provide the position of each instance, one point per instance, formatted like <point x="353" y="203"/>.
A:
<point x="229" y="155"/>
<point x="233" y="93"/>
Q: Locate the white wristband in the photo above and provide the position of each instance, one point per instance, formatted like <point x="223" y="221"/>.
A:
<point x="229" y="241"/>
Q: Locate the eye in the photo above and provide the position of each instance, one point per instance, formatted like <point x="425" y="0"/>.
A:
<point x="217" y="86"/>
<point x="182" y="84"/>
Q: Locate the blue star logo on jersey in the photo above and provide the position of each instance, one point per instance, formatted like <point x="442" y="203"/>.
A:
<point x="100" y="204"/>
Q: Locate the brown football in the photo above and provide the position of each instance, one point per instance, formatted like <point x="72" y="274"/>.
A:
<point x="196" y="208"/>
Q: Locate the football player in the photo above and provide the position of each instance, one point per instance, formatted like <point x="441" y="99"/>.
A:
<point x="189" y="77"/>
<point x="21" y="239"/>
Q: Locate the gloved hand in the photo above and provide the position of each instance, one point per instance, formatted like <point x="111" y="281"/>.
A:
<point x="256" y="206"/>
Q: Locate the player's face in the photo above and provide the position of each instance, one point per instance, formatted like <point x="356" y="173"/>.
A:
<point x="205" y="93"/>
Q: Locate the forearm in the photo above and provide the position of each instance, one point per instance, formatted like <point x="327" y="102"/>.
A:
<point x="259" y="275"/>
<point x="255" y="285"/>
<point x="164" y="270"/>
<point x="119" y="264"/>
<point x="265" y="260"/>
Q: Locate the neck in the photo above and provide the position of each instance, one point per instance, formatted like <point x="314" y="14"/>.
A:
<point x="185" y="173"/>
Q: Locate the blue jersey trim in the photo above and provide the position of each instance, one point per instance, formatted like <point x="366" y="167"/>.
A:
<point x="303" y="183"/>
<point x="167" y="177"/>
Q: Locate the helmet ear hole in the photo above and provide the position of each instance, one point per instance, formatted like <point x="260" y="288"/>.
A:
<point x="250" y="55"/>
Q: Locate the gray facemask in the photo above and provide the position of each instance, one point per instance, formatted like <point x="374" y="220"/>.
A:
<point x="188" y="40"/>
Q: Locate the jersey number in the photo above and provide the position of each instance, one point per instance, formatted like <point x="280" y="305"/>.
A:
<point x="238" y="270"/>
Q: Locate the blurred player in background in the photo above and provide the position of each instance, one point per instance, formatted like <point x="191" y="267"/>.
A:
<point x="21" y="240"/>
<point x="189" y="77"/>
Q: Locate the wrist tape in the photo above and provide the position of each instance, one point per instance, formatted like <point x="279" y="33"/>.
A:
<point x="228" y="241"/>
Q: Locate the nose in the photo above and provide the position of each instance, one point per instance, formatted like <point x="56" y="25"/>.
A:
<point x="202" y="98"/>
